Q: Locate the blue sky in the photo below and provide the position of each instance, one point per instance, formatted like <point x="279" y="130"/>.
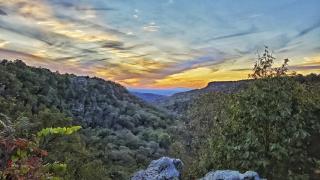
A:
<point x="160" y="43"/>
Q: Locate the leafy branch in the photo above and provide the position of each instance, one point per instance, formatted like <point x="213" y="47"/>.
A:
<point x="263" y="66"/>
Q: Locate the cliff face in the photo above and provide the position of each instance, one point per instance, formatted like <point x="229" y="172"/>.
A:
<point x="225" y="86"/>
<point x="179" y="102"/>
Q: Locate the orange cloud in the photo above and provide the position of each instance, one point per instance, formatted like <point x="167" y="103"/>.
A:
<point x="199" y="77"/>
<point x="83" y="43"/>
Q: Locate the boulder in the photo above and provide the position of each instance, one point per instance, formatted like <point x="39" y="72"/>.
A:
<point x="164" y="168"/>
<point x="231" y="175"/>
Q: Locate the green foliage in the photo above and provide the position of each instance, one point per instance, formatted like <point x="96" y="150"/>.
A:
<point x="114" y="122"/>
<point x="263" y="66"/>
<point x="275" y="119"/>
<point x="93" y="170"/>
<point x="58" y="169"/>
<point x="269" y="127"/>
<point x="164" y="140"/>
<point x="58" y="131"/>
<point x="24" y="159"/>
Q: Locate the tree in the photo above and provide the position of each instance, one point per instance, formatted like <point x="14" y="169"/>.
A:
<point x="263" y="66"/>
<point x="271" y="124"/>
<point x="270" y="127"/>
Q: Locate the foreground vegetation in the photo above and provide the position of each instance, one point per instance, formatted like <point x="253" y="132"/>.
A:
<point x="271" y="127"/>
<point x="25" y="159"/>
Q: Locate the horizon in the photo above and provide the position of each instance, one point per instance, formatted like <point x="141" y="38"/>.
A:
<point x="160" y="45"/>
<point x="163" y="91"/>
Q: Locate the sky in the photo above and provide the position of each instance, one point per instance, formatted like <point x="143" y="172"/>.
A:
<point x="160" y="44"/>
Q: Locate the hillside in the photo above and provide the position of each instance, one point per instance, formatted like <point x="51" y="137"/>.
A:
<point x="119" y="129"/>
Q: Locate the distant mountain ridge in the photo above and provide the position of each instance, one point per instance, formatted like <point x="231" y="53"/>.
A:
<point x="149" y="97"/>
<point x="159" y="91"/>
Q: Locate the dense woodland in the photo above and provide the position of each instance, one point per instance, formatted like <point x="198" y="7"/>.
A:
<point x="119" y="134"/>
<point x="269" y="124"/>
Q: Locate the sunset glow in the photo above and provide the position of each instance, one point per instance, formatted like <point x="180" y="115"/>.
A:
<point x="160" y="43"/>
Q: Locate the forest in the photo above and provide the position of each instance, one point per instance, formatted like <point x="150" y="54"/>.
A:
<point x="63" y="126"/>
<point x="120" y="133"/>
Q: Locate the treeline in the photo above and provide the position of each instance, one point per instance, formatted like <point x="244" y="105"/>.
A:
<point x="119" y="134"/>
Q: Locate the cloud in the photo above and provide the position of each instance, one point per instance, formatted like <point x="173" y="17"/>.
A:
<point x="99" y="60"/>
<point x="285" y="41"/>
<point x="3" y="43"/>
<point x="68" y="58"/>
<point x="57" y="42"/>
<point x="241" y="69"/>
<point x="87" y="23"/>
<point x="151" y="27"/>
<point x="252" y="30"/>
<point x="308" y="29"/>
<point x="304" y="68"/>
<point x="192" y="78"/>
<point x="65" y="35"/>
<point x="212" y="60"/>
<point x="202" y="61"/>
<point x="3" y="13"/>
<point x="64" y="3"/>
<point x="114" y="45"/>
<point x="140" y="56"/>
<point x="12" y="54"/>
<point x="67" y="4"/>
<point x="94" y="9"/>
<point x="26" y="31"/>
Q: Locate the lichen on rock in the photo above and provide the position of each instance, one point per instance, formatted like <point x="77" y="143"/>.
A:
<point x="231" y="175"/>
<point x="164" y="168"/>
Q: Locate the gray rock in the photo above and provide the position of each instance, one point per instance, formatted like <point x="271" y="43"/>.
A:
<point x="231" y="175"/>
<point x="164" y="168"/>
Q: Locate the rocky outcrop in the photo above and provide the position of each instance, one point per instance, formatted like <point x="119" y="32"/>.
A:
<point x="231" y="175"/>
<point x="164" y="168"/>
<point x="167" y="168"/>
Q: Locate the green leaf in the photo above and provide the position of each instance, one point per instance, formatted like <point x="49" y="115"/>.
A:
<point x="58" y="131"/>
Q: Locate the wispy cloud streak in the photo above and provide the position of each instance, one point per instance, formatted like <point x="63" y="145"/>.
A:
<point x="156" y="43"/>
<point x="252" y="30"/>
